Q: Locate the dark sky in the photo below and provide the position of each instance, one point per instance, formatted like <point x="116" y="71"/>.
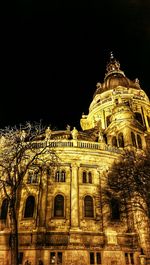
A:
<point x="53" y="56"/>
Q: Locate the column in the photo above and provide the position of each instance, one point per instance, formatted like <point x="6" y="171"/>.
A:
<point x="74" y="198"/>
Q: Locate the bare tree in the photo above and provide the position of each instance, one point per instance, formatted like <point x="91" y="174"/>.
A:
<point x="21" y="150"/>
<point x="129" y="181"/>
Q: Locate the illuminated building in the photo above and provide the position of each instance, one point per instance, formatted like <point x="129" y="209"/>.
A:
<point x="61" y="216"/>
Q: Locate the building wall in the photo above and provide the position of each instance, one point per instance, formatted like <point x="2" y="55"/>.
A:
<point x="72" y="237"/>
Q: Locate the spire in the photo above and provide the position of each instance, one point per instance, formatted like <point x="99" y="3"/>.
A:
<point x="113" y="66"/>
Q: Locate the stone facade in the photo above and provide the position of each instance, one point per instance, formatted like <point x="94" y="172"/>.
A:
<point x="61" y="216"/>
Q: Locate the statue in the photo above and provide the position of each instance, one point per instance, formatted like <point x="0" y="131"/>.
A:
<point x="68" y="127"/>
<point x="100" y="136"/>
<point x="22" y="135"/>
<point x="74" y="133"/>
<point x="48" y="133"/>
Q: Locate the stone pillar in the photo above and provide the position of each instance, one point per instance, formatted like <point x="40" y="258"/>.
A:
<point x="109" y="140"/>
<point x="74" y="198"/>
<point x="127" y="137"/>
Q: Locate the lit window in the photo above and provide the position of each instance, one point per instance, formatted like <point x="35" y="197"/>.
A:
<point x="88" y="206"/>
<point x="29" y="207"/>
<point x="59" y="206"/>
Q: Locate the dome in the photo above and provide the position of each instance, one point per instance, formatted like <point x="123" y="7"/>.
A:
<point x="114" y="77"/>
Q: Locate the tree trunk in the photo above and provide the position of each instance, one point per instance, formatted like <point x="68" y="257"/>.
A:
<point x="14" y="236"/>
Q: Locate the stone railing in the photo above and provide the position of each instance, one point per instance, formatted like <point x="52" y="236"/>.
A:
<point x="76" y="144"/>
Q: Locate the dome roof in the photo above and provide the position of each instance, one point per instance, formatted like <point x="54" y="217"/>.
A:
<point x="114" y="77"/>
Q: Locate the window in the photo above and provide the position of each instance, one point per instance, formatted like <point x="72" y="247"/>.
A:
<point x="57" y="176"/>
<point x="87" y="177"/>
<point x="4" y="209"/>
<point x="98" y="258"/>
<point x="20" y="258"/>
<point x="32" y="177"/>
<point x="139" y="141"/>
<point x="129" y="258"/>
<point x="133" y="139"/>
<point x="84" y="177"/>
<point x="29" y="207"/>
<point x="88" y="206"/>
<point x="138" y="117"/>
<point x="114" y="141"/>
<point x="60" y="176"/>
<point x="55" y="258"/>
<point x="92" y="258"/>
<point x="115" y="209"/>
<point x="90" y="177"/>
<point x="63" y="175"/>
<point x="108" y="120"/>
<point x="59" y="206"/>
<point x="120" y="140"/>
<point x="95" y="258"/>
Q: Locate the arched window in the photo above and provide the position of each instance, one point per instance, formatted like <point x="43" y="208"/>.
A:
<point x="59" y="206"/>
<point x="90" y="177"/>
<point x="133" y="139"/>
<point x="138" y="117"/>
<point x="88" y="206"/>
<point x="29" y="207"/>
<point x="114" y="141"/>
<point x="4" y="209"/>
<point x="63" y="176"/>
<point x="120" y="140"/>
<point x="84" y="177"/>
<point x="139" y="141"/>
<point x="115" y="209"/>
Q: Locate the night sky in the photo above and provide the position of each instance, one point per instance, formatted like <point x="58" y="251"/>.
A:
<point x="53" y="56"/>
